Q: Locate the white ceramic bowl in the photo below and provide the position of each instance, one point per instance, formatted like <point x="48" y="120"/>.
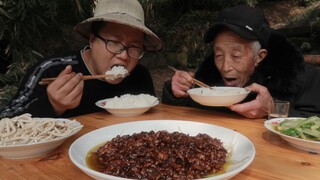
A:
<point x="125" y="111"/>
<point x="303" y="144"/>
<point x="218" y="96"/>
<point x="241" y="155"/>
<point x="22" y="151"/>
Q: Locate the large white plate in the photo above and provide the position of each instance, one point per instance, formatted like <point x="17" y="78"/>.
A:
<point x="218" y="96"/>
<point x="241" y="155"/>
<point x="22" y="151"/>
<point x="303" y="144"/>
<point x="125" y="112"/>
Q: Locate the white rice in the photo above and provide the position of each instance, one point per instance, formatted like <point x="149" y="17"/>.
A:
<point x="117" y="72"/>
<point x="218" y="91"/>
<point x="130" y="101"/>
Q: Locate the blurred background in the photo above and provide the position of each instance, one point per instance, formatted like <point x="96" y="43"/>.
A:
<point x="34" y="29"/>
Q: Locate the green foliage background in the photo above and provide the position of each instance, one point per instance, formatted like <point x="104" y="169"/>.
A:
<point x="27" y="31"/>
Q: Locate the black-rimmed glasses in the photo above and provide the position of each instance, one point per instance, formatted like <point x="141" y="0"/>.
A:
<point x="117" y="48"/>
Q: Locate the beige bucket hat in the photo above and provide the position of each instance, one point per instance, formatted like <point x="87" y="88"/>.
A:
<point x="127" y="12"/>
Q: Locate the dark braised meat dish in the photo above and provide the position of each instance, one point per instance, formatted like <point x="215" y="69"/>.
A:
<point x="162" y="155"/>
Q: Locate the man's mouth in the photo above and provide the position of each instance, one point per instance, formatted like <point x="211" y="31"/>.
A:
<point x="230" y="81"/>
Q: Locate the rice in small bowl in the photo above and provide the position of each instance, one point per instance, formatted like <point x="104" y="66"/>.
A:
<point x="128" y="104"/>
<point x="218" y="96"/>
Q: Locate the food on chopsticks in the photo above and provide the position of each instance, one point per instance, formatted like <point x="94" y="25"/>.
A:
<point x="162" y="155"/>
<point x="24" y="129"/>
<point x="114" y="73"/>
<point x="117" y="72"/>
<point x="305" y="128"/>
<point x="130" y="101"/>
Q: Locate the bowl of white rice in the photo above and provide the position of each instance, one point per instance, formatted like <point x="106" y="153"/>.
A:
<point x="128" y="104"/>
<point x="218" y="96"/>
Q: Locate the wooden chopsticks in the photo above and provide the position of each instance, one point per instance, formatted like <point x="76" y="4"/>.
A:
<point x="201" y="84"/>
<point x="45" y="81"/>
<point x="195" y="81"/>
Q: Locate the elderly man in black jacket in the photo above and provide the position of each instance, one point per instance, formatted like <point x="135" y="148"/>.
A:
<point x="247" y="53"/>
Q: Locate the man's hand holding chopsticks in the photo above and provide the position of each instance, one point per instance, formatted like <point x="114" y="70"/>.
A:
<point x="66" y="91"/>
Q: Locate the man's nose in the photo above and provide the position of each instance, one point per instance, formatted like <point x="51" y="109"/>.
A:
<point x="123" y="55"/>
<point x="227" y="64"/>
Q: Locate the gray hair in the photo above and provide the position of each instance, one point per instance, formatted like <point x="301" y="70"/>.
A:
<point x="256" y="46"/>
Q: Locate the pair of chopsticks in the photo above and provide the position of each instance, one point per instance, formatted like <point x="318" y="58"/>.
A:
<point x="45" y="81"/>
<point x="195" y="81"/>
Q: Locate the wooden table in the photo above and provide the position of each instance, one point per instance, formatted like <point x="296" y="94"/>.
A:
<point x="274" y="159"/>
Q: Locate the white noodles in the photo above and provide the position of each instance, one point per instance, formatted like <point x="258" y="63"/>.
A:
<point x="24" y="129"/>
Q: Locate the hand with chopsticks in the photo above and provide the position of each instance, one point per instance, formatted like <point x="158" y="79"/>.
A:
<point x="181" y="82"/>
<point x="66" y="90"/>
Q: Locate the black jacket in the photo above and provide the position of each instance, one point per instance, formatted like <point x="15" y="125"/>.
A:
<point x="32" y="97"/>
<point x="283" y="72"/>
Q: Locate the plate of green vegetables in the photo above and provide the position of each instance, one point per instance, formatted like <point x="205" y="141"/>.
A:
<point x="302" y="133"/>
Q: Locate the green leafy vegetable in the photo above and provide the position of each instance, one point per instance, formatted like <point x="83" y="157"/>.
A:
<point x="305" y="128"/>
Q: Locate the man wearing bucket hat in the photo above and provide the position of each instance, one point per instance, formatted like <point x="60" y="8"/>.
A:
<point x="117" y="36"/>
<point x="248" y="53"/>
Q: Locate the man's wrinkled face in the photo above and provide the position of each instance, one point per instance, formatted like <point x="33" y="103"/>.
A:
<point x="234" y="58"/>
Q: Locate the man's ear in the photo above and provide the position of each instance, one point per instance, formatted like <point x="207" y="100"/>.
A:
<point x="261" y="55"/>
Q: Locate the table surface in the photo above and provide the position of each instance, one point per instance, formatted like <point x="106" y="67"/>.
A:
<point x="275" y="158"/>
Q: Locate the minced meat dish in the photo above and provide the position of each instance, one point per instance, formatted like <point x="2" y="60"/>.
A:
<point x="162" y="155"/>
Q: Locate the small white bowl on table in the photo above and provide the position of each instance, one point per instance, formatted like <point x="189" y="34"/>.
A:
<point x="218" y="95"/>
<point x="128" y="109"/>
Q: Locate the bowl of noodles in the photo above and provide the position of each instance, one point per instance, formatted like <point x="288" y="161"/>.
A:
<point x="26" y="137"/>
<point x="218" y="96"/>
